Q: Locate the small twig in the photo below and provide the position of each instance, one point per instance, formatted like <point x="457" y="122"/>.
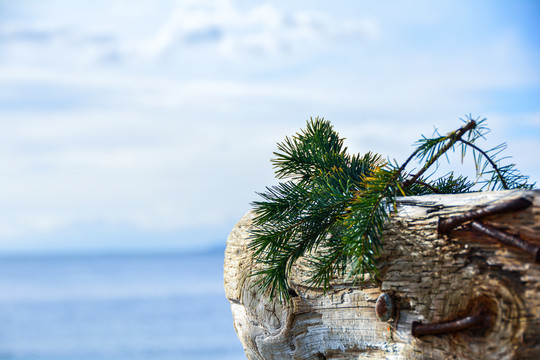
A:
<point x="453" y="137"/>
<point x="430" y="187"/>
<point x="493" y="165"/>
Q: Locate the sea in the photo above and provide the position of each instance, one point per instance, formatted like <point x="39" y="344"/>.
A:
<point x="115" y="307"/>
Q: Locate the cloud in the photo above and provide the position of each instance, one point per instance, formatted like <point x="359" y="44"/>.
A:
<point x="206" y="35"/>
<point x="34" y="35"/>
<point x="123" y="169"/>
<point x="230" y="31"/>
<point x="16" y="224"/>
<point x="261" y="30"/>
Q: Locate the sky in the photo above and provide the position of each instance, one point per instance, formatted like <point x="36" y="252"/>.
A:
<point x="139" y="126"/>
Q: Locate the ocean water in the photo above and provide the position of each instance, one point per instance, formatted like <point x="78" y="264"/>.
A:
<point x="115" y="307"/>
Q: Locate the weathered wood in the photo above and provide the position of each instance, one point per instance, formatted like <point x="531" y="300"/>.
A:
<point x="431" y="277"/>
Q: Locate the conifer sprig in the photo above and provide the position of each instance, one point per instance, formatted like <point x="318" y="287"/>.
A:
<point x="333" y="207"/>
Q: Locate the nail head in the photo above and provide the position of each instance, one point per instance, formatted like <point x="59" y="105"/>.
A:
<point x="384" y="307"/>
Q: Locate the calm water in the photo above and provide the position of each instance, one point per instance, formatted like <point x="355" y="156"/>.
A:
<point x="155" y="307"/>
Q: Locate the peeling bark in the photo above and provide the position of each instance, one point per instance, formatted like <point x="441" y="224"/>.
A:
<point x="431" y="278"/>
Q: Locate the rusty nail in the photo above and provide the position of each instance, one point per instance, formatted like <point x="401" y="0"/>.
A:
<point x="507" y="239"/>
<point x="446" y="225"/>
<point x="384" y="307"/>
<point x="476" y="321"/>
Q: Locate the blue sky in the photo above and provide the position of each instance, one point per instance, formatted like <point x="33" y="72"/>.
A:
<point x="149" y="125"/>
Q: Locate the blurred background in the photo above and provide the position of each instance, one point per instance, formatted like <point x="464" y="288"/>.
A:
<point x="134" y="134"/>
<point x="142" y="125"/>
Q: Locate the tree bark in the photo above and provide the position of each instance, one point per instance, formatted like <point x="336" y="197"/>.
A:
<point x="431" y="278"/>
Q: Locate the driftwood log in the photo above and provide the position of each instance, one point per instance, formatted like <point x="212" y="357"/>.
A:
<point x="430" y="277"/>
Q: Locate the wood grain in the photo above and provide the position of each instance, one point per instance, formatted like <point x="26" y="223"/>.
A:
<point x="431" y="277"/>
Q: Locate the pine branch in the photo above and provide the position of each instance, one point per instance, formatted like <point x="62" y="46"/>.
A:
<point x="335" y="206"/>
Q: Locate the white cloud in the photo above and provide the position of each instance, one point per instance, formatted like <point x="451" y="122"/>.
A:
<point x="230" y="31"/>
<point x="123" y="169"/>
<point x="261" y="30"/>
<point x="13" y="225"/>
